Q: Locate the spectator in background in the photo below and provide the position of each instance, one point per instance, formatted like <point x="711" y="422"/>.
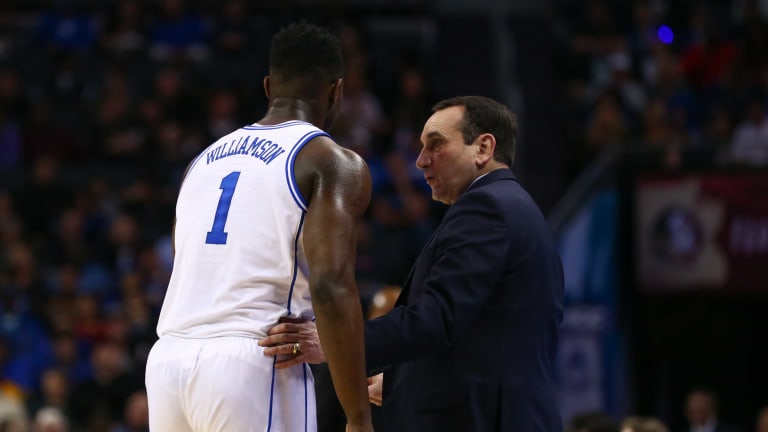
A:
<point x="125" y="33"/>
<point x="596" y="35"/>
<point x="752" y="41"/>
<point x="223" y="108"/>
<point x="608" y="125"/>
<point x="642" y="37"/>
<point x="13" y="416"/>
<point x="232" y="32"/>
<point x="632" y="95"/>
<point x="643" y="424"/>
<point x="54" y="392"/>
<point x="701" y="410"/>
<point x="70" y="357"/>
<point x="42" y="198"/>
<point x="750" y="139"/>
<point x="178" y="34"/>
<point x="400" y="217"/>
<point x="661" y="134"/>
<point x="172" y="92"/>
<point x="22" y="330"/>
<point x="99" y="400"/>
<point x="136" y="414"/>
<point x="718" y="131"/>
<point x="50" y="419"/>
<point x="707" y="59"/>
<point x="13" y="103"/>
<point x="117" y="136"/>
<point x="409" y="111"/>
<point x="670" y="85"/>
<point x="361" y="118"/>
<point x="68" y="26"/>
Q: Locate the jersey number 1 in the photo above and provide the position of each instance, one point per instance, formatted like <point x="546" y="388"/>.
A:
<point x="217" y="235"/>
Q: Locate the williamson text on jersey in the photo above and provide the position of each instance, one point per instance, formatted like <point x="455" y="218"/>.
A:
<point x="262" y="149"/>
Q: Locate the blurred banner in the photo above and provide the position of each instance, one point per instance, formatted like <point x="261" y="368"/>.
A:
<point x="591" y="356"/>
<point x="702" y="231"/>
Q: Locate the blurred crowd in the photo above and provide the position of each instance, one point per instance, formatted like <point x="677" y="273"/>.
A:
<point x="686" y="79"/>
<point x="701" y="409"/>
<point x="103" y="104"/>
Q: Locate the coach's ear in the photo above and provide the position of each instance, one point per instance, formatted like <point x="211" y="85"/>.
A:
<point x="486" y="145"/>
<point x="267" y="83"/>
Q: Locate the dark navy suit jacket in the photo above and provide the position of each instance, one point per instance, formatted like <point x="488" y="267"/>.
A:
<point x="470" y="345"/>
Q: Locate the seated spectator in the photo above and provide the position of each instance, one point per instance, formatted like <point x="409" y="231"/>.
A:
<point x="178" y="33"/>
<point x="750" y="139"/>
<point x="13" y="417"/>
<point x="100" y="400"/>
<point x="68" y="27"/>
<point x="125" y="32"/>
<point x="643" y="424"/>
<point x="233" y="30"/>
<point x="54" y="393"/>
<point x="710" y="55"/>
<point x="50" y="419"/>
<point x="701" y="410"/>
<point x="608" y="126"/>
<point x="136" y="415"/>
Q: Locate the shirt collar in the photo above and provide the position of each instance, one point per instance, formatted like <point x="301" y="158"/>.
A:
<point x="478" y="178"/>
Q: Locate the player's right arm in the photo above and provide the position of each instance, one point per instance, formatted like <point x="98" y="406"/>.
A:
<point x="337" y="184"/>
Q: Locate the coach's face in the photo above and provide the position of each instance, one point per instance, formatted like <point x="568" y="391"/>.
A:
<point x="449" y="165"/>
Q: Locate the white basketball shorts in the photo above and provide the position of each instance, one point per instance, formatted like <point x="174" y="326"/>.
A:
<point x="225" y="384"/>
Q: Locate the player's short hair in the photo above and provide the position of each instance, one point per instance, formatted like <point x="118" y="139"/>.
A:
<point x="485" y="115"/>
<point x="306" y="51"/>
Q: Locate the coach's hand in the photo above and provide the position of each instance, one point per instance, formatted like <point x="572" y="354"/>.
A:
<point x="282" y="340"/>
<point x="375" y="387"/>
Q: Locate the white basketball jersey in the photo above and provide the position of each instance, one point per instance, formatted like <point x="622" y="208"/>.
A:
<point x="239" y="263"/>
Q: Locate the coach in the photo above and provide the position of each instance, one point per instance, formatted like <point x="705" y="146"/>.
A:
<point x="470" y="344"/>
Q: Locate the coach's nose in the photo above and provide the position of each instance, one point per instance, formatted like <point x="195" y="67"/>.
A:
<point x="424" y="160"/>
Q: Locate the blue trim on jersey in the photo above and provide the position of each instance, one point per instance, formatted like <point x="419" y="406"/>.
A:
<point x="295" y="260"/>
<point x="290" y="176"/>
<point x="275" y="126"/>
<point x="306" y="397"/>
<point x="271" y="394"/>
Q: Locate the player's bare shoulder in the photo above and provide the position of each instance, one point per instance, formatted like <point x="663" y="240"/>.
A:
<point x="322" y="164"/>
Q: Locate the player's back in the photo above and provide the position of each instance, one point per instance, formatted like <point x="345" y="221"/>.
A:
<point x="239" y="263"/>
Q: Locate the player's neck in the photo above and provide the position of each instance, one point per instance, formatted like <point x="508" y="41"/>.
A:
<point x="283" y="109"/>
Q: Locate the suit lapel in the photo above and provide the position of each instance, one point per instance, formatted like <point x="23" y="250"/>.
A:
<point x="403" y="297"/>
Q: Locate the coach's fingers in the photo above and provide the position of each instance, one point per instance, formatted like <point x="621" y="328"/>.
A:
<point x="291" y="361"/>
<point x="284" y="328"/>
<point x="375" y="389"/>
<point x="278" y="350"/>
<point x="278" y="339"/>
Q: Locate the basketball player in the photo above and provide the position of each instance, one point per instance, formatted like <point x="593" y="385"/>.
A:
<point x="265" y="231"/>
